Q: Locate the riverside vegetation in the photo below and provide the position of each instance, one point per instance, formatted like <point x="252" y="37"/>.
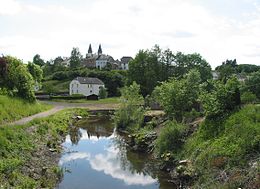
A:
<point x="29" y="154"/>
<point x="220" y="150"/>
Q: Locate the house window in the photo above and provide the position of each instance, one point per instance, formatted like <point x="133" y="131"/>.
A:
<point x="72" y="91"/>
<point x="90" y="91"/>
<point x="72" y="85"/>
<point x="77" y="91"/>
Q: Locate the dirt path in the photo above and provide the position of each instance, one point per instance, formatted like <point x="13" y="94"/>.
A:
<point x="58" y="106"/>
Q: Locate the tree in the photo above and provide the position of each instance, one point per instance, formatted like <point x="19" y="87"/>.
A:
<point x="37" y="60"/>
<point x="102" y="93"/>
<point x="178" y="96"/>
<point x="184" y="63"/>
<point x="35" y="71"/>
<point x="253" y="83"/>
<point x="146" y="70"/>
<point x="3" y="70"/>
<point x="18" y="79"/>
<point x="75" y="58"/>
<point x="221" y="99"/>
<point x="131" y="111"/>
<point x="227" y="69"/>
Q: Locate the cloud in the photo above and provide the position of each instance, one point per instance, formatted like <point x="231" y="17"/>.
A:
<point x="73" y="157"/>
<point x="124" y="27"/>
<point x="9" y="7"/>
<point x="110" y="165"/>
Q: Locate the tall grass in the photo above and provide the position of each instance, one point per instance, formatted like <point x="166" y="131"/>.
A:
<point x="15" y="108"/>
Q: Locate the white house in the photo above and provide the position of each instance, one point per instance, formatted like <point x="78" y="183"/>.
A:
<point x="125" y="62"/>
<point x="86" y="86"/>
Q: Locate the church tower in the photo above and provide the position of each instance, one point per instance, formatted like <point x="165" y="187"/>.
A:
<point x="99" y="50"/>
<point x="89" y="49"/>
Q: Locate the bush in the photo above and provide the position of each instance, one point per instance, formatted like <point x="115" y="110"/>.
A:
<point x="170" y="138"/>
<point x="102" y="93"/>
<point x="131" y="111"/>
<point x="248" y="97"/>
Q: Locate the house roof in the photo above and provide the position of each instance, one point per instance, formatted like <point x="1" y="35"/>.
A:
<point x="105" y="57"/>
<point x="89" y="80"/>
<point x="126" y="59"/>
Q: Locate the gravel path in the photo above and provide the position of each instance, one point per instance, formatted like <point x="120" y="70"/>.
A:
<point x="58" y="106"/>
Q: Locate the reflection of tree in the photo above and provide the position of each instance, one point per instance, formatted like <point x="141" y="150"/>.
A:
<point x="75" y="134"/>
<point x="141" y="163"/>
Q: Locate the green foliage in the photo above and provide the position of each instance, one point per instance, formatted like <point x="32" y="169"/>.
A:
<point x="75" y="58"/>
<point x="227" y="69"/>
<point x="38" y="61"/>
<point x="171" y="138"/>
<point x="102" y="93"/>
<point x="233" y="147"/>
<point x="15" y="108"/>
<point x="35" y="71"/>
<point x="221" y="98"/>
<point x="253" y="84"/>
<point x="18" y="145"/>
<point x="152" y="66"/>
<point x="131" y="112"/>
<point x="17" y="79"/>
<point x="248" y="97"/>
<point x="178" y="96"/>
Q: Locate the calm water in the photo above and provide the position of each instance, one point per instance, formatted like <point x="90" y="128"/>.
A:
<point x="96" y="157"/>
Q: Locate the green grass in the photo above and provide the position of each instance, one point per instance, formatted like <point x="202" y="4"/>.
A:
<point x="58" y="86"/>
<point x="111" y="100"/>
<point x="236" y="144"/>
<point x="15" y="108"/>
<point x="20" y="147"/>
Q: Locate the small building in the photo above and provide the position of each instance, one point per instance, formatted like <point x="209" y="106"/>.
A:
<point x="86" y="86"/>
<point x="104" y="60"/>
<point x="124" y="64"/>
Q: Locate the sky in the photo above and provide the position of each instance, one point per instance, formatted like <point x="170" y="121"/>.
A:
<point x="217" y="29"/>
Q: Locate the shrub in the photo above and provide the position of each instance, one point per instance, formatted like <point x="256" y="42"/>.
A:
<point x="248" y="97"/>
<point x="131" y="111"/>
<point x="102" y="93"/>
<point x="170" y="138"/>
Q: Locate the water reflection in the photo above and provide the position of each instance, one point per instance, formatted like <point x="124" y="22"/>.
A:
<point x="95" y="152"/>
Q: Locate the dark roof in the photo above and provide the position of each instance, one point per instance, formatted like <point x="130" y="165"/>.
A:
<point x="105" y="57"/>
<point x="126" y="59"/>
<point x="89" y="80"/>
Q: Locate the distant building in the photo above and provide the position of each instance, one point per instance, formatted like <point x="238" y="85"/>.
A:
<point x="104" y="60"/>
<point x="86" y="86"/>
<point x="124" y="64"/>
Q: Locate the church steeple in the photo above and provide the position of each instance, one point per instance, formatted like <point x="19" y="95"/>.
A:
<point x="90" y="49"/>
<point x="99" y="50"/>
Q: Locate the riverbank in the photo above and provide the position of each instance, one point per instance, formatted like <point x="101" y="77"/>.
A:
<point x="12" y="109"/>
<point x="203" y="153"/>
<point x="30" y="153"/>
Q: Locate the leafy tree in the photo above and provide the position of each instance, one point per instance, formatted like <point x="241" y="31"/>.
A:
<point x="248" y="97"/>
<point x="3" y="70"/>
<point x="253" y="84"/>
<point x="247" y="68"/>
<point x="35" y="71"/>
<point x="178" y="96"/>
<point x="153" y="66"/>
<point x="75" y="58"/>
<point x="130" y="115"/>
<point x="227" y="69"/>
<point x="19" y="79"/>
<point x="221" y="99"/>
<point x="102" y="93"/>
<point x="37" y="60"/>
<point x="185" y="63"/>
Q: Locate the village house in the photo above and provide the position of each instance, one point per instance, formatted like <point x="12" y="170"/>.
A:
<point x="124" y="63"/>
<point x="86" y="86"/>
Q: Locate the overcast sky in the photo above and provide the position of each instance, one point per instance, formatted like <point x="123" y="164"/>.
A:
<point x="217" y="29"/>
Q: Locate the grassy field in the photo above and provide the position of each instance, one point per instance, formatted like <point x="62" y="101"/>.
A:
<point x="12" y="109"/>
<point x="112" y="100"/>
<point x="25" y="157"/>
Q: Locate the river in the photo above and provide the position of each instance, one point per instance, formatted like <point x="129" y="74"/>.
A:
<point x="96" y="156"/>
